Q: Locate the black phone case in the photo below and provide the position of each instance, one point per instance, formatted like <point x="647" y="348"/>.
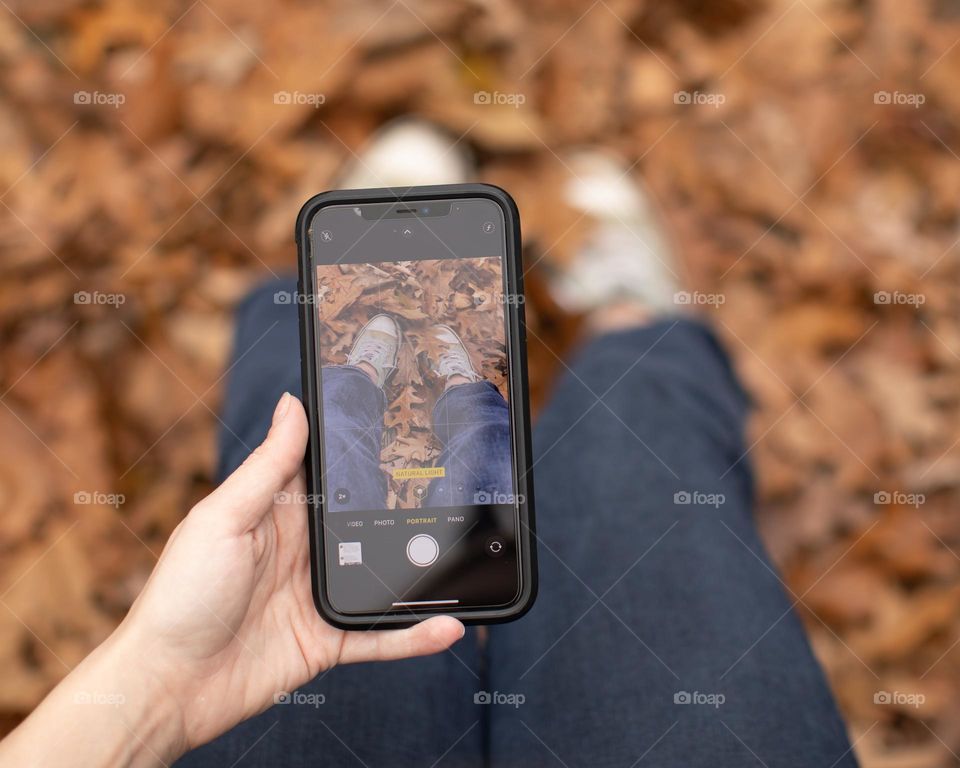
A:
<point x="526" y="536"/>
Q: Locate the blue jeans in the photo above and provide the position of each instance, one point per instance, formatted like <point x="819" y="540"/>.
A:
<point x="470" y="420"/>
<point x="649" y="610"/>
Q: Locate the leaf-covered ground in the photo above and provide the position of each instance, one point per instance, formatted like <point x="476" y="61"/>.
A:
<point x="819" y="184"/>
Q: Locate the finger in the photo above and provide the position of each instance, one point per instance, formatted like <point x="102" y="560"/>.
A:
<point x="249" y="493"/>
<point x="430" y="636"/>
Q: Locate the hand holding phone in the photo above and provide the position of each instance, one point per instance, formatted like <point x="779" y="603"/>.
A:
<point x="223" y="629"/>
<point x="414" y="379"/>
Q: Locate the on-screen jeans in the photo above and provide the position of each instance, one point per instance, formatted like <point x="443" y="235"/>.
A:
<point x="471" y="421"/>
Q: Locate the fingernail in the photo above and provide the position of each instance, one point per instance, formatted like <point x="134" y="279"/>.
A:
<point x="282" y="407"/>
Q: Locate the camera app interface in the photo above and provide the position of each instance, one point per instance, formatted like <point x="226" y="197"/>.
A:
<point x="418" y="467"/>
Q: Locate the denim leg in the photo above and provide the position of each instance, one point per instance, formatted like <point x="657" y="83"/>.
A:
<point x="403" y="713"/>
<point x="353" y="409"/>
<point x="264" y="364"/>
<point x="472" y="421"/>
<point x="655" y="589"/>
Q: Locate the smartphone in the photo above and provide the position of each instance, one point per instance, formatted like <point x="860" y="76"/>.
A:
<point x="415" y="385"/>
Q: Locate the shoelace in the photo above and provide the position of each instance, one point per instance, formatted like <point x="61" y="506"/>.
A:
<point x="370" y="349"/>
<point x="453" y="362"/>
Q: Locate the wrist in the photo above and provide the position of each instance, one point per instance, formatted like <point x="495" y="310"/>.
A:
<point x="145" y="701"/>
<point x="107" y="712"/>
<point x="115" y="686"/>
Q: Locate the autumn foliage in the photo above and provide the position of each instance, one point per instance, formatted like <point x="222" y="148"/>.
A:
<point x="802" y="174"/>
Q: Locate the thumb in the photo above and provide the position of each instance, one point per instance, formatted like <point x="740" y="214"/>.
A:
<point x="250" y="492"/>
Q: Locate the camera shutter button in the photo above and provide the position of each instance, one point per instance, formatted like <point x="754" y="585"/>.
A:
<point x="423" y="550"/>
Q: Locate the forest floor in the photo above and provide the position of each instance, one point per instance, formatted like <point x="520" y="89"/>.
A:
<point x="805" y="153"/>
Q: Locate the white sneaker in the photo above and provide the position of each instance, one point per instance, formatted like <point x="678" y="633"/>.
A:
<point x="628" y="255"/>
<point x="378" y="345"/>
<point x="453" y="359"/>
<point x="407" y="152"/>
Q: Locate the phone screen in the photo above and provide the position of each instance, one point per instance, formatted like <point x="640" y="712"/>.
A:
<point x="418" y="460"/>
